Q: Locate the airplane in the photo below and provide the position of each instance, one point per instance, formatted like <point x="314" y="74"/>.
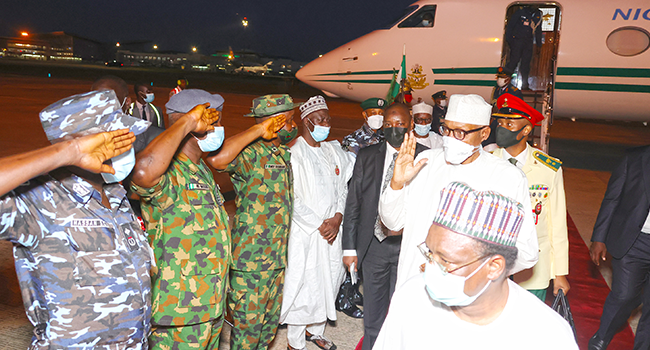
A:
<point x="254" y="68"/>
<point x="594" y="61"/>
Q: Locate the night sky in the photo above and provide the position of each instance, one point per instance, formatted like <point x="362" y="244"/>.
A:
<point x="296" y="29"/>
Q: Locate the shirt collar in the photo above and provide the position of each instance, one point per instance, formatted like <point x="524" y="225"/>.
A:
<point x="521" y="158"/>
<point x="366" y="129"/>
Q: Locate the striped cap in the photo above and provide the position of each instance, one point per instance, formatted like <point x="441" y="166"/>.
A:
<point x="487" y="216"/>
<point x="315" y="103"/>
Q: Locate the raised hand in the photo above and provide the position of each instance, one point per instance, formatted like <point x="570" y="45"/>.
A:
<point x="204" y="117"/>
<point x="405" y="170"/>
<point x="93" y="150"/>
<point x="271" y="126"/>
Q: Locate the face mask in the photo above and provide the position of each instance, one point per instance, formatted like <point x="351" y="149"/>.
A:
<point x="447" y="288"/>
<point x="395" y="136"/>
<point x="456" y="151"/>
<point x="506" y="138"/>
<point x="320" y="132"/>
<point x="375" y="121"/>
<point x="122" y="105"/>
<point x="287" y="136"/>
<point x="425" y="23"/>
<point x="422" y="130"/>
<point x="149" y="98"/>
<point x="212" y="141"/>
<point x="501" y="82"/>
<point x="123" y="164"/>
<point x="443" y="103"/>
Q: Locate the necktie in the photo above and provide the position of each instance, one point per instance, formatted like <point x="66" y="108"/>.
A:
<point x="379" y="227"/>
<point x="144" y="113"/>
<point x="513" y="161"/>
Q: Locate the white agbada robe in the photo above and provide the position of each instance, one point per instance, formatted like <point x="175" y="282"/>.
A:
<point x="415" y="321"/>
<point x="432" y="141"/>
<point x="414" y="207"/>
<point x="315" y="269"/>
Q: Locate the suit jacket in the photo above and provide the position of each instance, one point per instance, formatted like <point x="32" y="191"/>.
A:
<point x="156" y="117"/>
<point x="546" y="187"/>
<point x="626" y="203"/>
<point x="362" y="204"/>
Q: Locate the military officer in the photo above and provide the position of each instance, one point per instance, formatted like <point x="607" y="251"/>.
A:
<point x="370" y="132"/>
<point x="261" y="175"/>
<point x="81" y="257"/>
<point x="504" y="86"/>
<point x="439" y="110"/>
<point x="186" y="220"/>
<point x="546" y="185"/>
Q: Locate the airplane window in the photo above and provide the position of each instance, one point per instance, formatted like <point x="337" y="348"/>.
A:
<point x="407" y="11"/>
<point x="423" y="18"/>
<point x="628" y="41"/>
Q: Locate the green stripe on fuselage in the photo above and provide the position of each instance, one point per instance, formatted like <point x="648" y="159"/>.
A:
<point x="605" y="72"/>
<point x="363" y="81"/>
<point x="461" y="82"/>
<point x="603" y="87"/>
<point x="471" y="70"/>
<point x="355" y="73"/>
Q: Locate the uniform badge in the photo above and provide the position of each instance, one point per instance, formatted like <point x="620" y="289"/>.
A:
<point x="537" y="211"/>
<point x="129" y="236"/>
<point x="336" y="170"/>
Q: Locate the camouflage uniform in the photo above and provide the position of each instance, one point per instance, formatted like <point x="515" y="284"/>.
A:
<point x="83" y="269"/>
<point x="262" y="177"/>
<point x="361" y="138"/>
<point x="188" y="230"/>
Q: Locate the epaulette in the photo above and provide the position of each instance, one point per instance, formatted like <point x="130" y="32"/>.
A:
<point x="547" y="160"/>
<point x="514" y="88"/>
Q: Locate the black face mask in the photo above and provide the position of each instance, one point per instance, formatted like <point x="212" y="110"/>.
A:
<point x="506" y="138"/>
<point x="395" y="136"/>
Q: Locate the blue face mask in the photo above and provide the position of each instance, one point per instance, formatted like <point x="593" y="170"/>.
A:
<point x="213" y="140"/>
<point x="123" y="164"/>
<point x="149" y="98"/>
<point x="422" y="130"/>
<point x="320" y="133"/>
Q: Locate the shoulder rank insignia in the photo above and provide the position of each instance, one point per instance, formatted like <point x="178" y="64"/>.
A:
<point x="547" y="160"/>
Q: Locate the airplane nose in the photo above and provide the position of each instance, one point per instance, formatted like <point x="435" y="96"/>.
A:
<point x="315" y="74"/>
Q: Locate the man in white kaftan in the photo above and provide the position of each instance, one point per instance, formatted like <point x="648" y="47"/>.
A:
<point x="412" y="198"/>
<point x="315" y="271"/>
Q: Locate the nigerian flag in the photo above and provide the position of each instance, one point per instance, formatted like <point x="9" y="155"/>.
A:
<point x="397" y="83"/>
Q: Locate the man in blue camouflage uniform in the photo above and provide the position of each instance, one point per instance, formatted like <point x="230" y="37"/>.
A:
<point x="370" y="132"/>
<point x="81" y="257"/>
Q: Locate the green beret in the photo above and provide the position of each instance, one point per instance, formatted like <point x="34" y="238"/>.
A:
<point x="374" y="102"/>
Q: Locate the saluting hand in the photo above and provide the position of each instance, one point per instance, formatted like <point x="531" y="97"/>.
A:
<point x="93" y="150"/>
<point x="271" y="126"/>
<point x="405" y="170"/>
<point x="204" y="117"/>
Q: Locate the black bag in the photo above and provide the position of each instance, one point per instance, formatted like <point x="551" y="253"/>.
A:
<point x="561" y="306"/>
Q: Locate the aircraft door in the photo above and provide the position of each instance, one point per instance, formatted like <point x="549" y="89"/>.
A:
<point x="530" y="47"/>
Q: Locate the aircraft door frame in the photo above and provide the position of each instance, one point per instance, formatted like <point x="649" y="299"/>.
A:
<point x="543" y="65"/>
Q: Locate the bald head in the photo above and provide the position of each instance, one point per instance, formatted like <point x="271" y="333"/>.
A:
<point x="399" y="109"/>
<point x="117" y="84"/>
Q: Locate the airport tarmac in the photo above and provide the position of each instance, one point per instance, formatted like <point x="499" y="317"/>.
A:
<point x="589" y="150"/>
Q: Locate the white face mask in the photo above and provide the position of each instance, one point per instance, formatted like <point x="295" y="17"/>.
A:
<point x="422" y="130"/>
<point x="443" y="103"/>
<point x="123" y="164"/>
<point x="375" y="121"/>
<point x="501" y="82"/>
<point x="457" y="151"/>
<point x="447" y="288"/>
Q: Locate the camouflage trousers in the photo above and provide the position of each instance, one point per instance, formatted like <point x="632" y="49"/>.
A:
<point x="197" y="336"/>
<point x="255" y="300"/>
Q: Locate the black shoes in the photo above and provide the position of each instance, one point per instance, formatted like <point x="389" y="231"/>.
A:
<point x="595" y="343"/>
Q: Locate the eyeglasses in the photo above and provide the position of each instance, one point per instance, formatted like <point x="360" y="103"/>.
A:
<point x="459" y="134"/>
<point x="429" y="256"/>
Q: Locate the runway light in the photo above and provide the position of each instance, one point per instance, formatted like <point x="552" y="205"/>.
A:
<point x="194" y="49"/>
<point x="24" y="34"/>
<point x="155" y="47"/>
<point x="117" y="44"/>
<point x="244" y="22"/>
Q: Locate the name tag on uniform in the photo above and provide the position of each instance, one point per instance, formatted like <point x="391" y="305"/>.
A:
<point x="90" y="223"/>
<point x="200" y="187"/>
<point x="275" y="166"/>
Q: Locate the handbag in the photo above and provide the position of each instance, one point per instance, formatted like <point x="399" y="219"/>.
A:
<point x="561" y="306"/>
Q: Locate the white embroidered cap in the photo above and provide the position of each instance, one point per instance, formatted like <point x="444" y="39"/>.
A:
<point x="422" y="108"/>
<point x="315" y="103"/>
<point x="469" y="109"/>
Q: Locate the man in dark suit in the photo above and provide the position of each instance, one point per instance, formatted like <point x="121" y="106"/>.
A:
<point x="366" y="242"/>
<point x="623" y="228"/>
<point x="143" y="108"/>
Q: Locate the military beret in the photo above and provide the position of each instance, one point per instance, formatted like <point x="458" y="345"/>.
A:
<point x="373" y="102"/>
<point x="504" y="72"/>
<point x="94" y="111"/>
<point x="187" y="99"/>
<point x="440" y="94"/>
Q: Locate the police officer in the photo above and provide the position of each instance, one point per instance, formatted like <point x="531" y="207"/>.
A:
<point x="546" y="185"/>
<point x="439" y="110"/>
<point x="370" y="132"/>
<point x="522" y="33"/>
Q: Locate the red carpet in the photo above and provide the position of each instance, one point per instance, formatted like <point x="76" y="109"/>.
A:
<point x="588" y="293"/>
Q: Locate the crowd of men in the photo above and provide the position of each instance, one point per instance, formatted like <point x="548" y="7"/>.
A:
<point x="445" y="236"/>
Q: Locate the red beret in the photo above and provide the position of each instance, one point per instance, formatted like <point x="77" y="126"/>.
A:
<point x="512" y="107"/>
